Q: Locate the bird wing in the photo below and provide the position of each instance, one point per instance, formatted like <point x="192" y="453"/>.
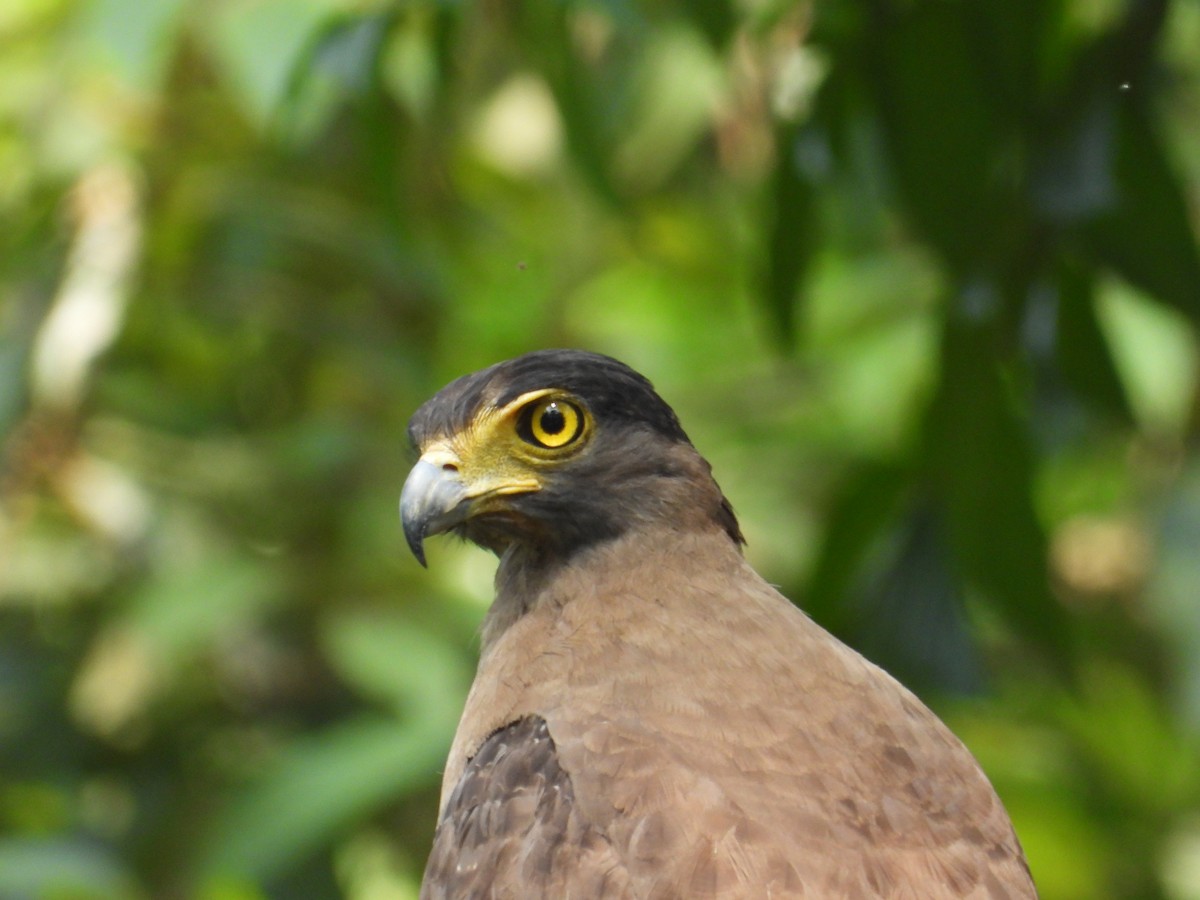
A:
<point x="512" y="828"/>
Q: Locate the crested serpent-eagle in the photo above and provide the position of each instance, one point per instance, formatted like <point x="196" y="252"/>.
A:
<point x="650" y="718"/>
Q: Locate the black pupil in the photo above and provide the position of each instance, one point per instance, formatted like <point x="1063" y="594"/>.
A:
<point x="553" y="421"/>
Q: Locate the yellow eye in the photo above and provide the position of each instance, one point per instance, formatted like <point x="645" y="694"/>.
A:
<point x="551" y="423"/>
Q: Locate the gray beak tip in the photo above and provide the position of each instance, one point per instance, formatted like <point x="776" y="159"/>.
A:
<point x="417" y="545"/>
<point x="432" y="501"/>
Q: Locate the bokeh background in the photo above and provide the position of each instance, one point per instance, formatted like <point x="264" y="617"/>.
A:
<point x="920" y="276"/>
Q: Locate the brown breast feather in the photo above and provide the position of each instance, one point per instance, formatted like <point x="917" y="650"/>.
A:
<point x="672" y="727"/>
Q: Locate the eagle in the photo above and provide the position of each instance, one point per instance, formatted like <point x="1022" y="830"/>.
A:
<point x="650" y="718"/>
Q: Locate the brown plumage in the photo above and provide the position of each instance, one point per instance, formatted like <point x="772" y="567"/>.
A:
<point x="651" y="719"/>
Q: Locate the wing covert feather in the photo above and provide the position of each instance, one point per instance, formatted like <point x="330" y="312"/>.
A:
<point x="511" y="829"/>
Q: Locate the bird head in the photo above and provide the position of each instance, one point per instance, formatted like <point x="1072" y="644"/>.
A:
<point x="555" y="450"/>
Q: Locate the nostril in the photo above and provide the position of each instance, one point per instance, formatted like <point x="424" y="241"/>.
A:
<point x="449" y="467"/>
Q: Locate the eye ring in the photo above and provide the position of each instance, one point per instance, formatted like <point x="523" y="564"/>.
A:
<point x="551" y="423"/>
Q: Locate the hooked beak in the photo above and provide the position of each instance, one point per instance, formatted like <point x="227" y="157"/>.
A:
<point x="434" y="499"/>
<point x="446" y="488"/>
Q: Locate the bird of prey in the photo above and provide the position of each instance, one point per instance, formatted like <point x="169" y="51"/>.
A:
<point x="650" y="718"/>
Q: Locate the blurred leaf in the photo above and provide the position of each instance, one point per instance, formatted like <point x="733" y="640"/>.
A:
<point x="1139" y="755"/>
<point x="982" y="471"/>
<point x="676" y="87"/>
<point x="349" y="51"/>
<point x="1065" y="845"/>
<point x="585" y="106"/>
<point x="60" y="868"/>
<point x="1020" y="34"/>
<point x="1081" y="347"/>
<point x="135" y="36"/>
<point x="341" y="62"/>
<point x="170" y="620"/>
<point x="390" y="658"/>
<point x="229" y="889"/>
<point x="791" y="234"/>
<point x="910" y="616"/>
<point x="319" y="786"/>
<point x="1155" y="355"/>
<point x="322" y="783"/>
<point x="945" y="165"/>
<point x="189" y="605"/>
<point x="411" y="67"/>
<point x="262" y="69"/>
<point x="370" y="865"/>
<point x="1147" y="235"/>
<point x="34" y="807"/>
<point x="1073" y="162"/>
<point x="858" y="520"/>
<point x="717" y="19"/>
<point x="1172" y="593"/>
<point x="19" y="326"/>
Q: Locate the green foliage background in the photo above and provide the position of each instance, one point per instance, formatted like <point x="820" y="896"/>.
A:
<point x="920" y="276"/>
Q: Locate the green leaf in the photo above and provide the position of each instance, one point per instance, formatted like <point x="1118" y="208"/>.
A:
<point x="940" y="127"/>
<point x="1172" y="592"/>
<point x="791" y="234"/>
<point x="62" y="868"/>
<point x="865" y="507"/>
<point x="981" y="466"/>
<point x="134" y="36"/>
<point x="1146" y="235"/>
<point x="322" y="783"/>
<point x="674" y="90"/>
<point x="187" y="606"/>
<point x="388" y="658"/>
<point x="582" y="101"/>
<point x="261" y="43"/>
<point x="1019" y="34"/>
<point x="1081" y="348"/>
<point x="715" y="18"/>
<point x="910" y="614"/>
<point x="1155" y="353"/>
<point x="318" y="787"/>
<point x="1138" y="750"/>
